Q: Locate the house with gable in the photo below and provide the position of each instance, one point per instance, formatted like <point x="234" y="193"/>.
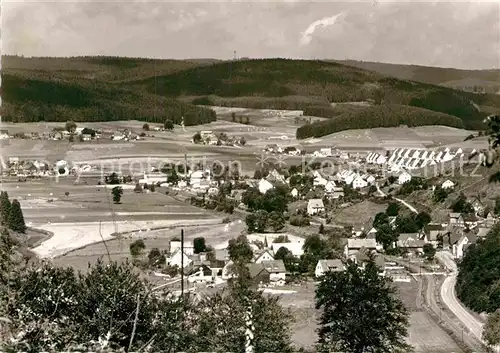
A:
<point x="490" y="220"/>
<point x="323" y="266"/>
<point x="179" y="258"/>
<point x="404" y="177"/>
<point x="265" y="186"/>
<point x="276" y="270"/>
<point x="456" y="220"/>
<point x="359" y="183"/>
<point x="294" y="193"/>
<point x="460" y="246"/>
<point x="354" y="245"/>
<point x="315" y="206"/>
<point x="411" y="243"/>
<point x="263" y="255"/>
<point x="275" y="177"/>
<point x="319" y="179"/>
<point x="448" y="184"/>
<point x="434" y="231"/>
<point x="330" y="186"/>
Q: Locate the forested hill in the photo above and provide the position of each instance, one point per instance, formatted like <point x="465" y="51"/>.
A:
<point x="104" y="88"/>
<point x="36" y="99"/>
<point x="334" y="82"/>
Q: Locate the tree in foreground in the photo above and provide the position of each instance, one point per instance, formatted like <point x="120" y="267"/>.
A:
<point x="4" y="207"/>
<point x="169" y="125"/>
<point x="240" y="250"/>
<point x="145" y="127"/>
<point x="429" y="251"/>
<point x="70" y="126"/>
<point x="117" y="193"/>
<point x="491" y="332"/>
<point x="16" y="218"/>
<point x="199" y="245"/>
<point x="360" y="312"/>
<point x="137" y="247"/>
<point x="221" y="324"/>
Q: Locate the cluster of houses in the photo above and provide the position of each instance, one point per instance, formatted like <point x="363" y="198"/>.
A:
<point x="209" y="137"/>
<point x="456" y="235"/>
<point x="26" y="168"/>
<point x="410" y="158"/>
<point x="264" y="269"/>
<point x="207" y="267"/>
<point x="289" y="150"/>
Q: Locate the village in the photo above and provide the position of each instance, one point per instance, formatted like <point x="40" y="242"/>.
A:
<point x="302" y="210"/>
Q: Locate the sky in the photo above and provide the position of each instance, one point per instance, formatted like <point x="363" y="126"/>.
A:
<point x="441" y="33"/>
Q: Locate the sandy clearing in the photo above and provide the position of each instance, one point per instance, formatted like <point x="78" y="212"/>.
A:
<point x="71" y="236"/>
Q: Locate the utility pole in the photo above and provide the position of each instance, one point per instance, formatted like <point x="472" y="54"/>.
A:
<point x="182" y="263"/>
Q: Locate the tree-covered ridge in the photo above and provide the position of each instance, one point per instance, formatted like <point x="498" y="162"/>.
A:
<point x="111" y="88"/>
<point x="478" y="280"/>
<point x="390" y="115"/>
<point x="35" y="99"/>
<point x="333" y="81"/>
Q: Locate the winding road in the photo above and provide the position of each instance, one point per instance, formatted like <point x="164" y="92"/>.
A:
<point x="448" y="296"/>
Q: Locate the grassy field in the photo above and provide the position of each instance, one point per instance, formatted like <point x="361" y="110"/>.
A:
<point x="359" y="214"/>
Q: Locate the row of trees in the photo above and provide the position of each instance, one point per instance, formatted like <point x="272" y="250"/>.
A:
<point x="372" y="117"/>
<point x="11" y="213"/>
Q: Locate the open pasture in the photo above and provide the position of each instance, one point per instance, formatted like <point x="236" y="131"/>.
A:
<point x="359" y="213"/>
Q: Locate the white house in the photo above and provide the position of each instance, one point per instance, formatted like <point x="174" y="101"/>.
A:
<point x="370" y="179"/>
<point x="176" y="244"/>
<point x="294" y="192"/>
<point x="265" y="186"/>
<point x="197" y="178"/>
<point x="319" y="179"/>
<point x="359" y="183"/>
<point x="176" y="259"/>
<point x="263" y="256"/>
<point x="404" y="178"/>
<point x="315" y="206"/>
<point x="465" y="240"/>
<point x="324" y="266"/>
<point x="448" y="184"/>
<point x="350" y="177"/>
<point x="330" y="186"/>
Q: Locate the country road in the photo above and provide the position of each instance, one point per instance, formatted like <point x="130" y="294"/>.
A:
<point x="448" y="296"/>
<point x="432" y="303"/>
<point x="410" y="207"/>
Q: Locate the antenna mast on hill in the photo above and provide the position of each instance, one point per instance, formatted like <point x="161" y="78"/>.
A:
<point x="234" y="55"/>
